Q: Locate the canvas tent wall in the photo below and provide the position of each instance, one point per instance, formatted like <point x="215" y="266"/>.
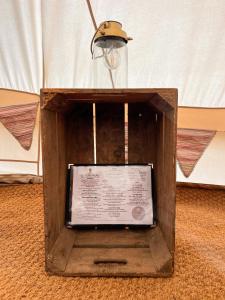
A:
<point x="14" y="159"/>
<point x="176" y="44"/>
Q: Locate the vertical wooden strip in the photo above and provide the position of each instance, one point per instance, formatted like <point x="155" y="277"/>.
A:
<point x="169" y="198"/>
<point x="39" y="140"/>
<point x="80" y="139"/>
<point x="159" y="169"/>
<point x="110" y="133"/>
<point x="141" y="133"/>
<point x="126" y="131"/>
<point x="94" y="132"/>
<point x="166" y="177"/>
<point x="62" y="167"/>
<point x="50" y="175"/>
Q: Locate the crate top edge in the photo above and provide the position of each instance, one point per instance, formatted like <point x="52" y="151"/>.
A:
<point x="107" y="91"/>
<point x="53" y="99"/>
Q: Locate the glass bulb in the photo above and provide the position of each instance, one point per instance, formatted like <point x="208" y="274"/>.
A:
<point x="112" y="58"/>
<point x="111" y="51"/>
<point x="110" y="62"/>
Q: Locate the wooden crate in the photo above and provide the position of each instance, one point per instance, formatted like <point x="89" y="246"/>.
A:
<point x="67" y="137"/>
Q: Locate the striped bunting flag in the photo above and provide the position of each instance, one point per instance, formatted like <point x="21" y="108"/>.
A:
<point x="191" y="144"/>
<point x="19" y="120"/>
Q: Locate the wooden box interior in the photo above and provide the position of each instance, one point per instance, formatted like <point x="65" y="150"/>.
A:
<point x="67" y="137"/>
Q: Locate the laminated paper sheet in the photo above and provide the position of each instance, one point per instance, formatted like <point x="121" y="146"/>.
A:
<point x="111" y="195"/>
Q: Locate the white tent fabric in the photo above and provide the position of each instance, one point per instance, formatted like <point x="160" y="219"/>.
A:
<point x="20" y="45"/>
<point x="176" y="44"/>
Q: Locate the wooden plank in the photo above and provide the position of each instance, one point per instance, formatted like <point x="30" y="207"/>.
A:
<point x="54" y="170"/>
<point x="110" y="133"/>
<point x="80" y="139"/>
<point x="59" y="255"/>
<point x="63" y="99"/>
<point x="161" y="255"/>
<point x="39" y="141"/>
<point x="62" y="166"/>
<point x="82" y="93"/>
<point x="50" y="177"/>
<point x="159" y="168"/>
<point x="169" y="199"/>
<point x="110" y="262"/>
<point x="109" y="238"/>
<point x="166" y="177"/>
<point x="141" y="133"/>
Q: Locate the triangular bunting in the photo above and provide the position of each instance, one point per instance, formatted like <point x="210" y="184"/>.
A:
<point x="20" y="121"/>
<point x="191" y="144"/>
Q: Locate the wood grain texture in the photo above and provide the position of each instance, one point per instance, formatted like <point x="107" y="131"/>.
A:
<point x="50" y="177"/>
<point x="166" y="177"/>
<point x="138" y="262"/>
<point x="163" y="260"/>
<point x="110" y="144"/>
<point x="165" y="92"/>
<point x="54" y="174"/>
<point x="144" y="251"/>
<point x="141" y="133"/>
<point x="64" y="99"/>
<point x="62" y="166"/>
<point x="58" y="257"/>
<point x="117" y="238"/>
<point x="80" y="138"/>
<point x="67" y="126"/>
<point x="170" y="178"/>
<point x="169" y="96"/>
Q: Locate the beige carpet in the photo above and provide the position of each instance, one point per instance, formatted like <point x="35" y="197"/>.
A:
<point x="200" y="253"/>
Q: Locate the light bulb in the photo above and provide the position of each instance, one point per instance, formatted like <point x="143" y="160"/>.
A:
<point x="111" y="58"/>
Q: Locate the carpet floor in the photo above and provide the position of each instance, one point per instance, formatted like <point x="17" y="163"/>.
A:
<point x="199" y="260"/>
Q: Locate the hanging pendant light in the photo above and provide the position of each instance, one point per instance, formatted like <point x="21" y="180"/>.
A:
<point x="109" y="52"/>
